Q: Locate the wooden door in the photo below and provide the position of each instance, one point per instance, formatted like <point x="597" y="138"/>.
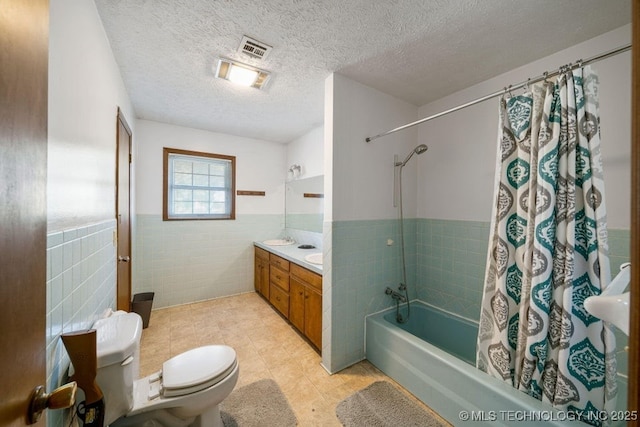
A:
<point x="313" y="316"/>
<point x="24" y="46"/>
<point x="123" y="212"/>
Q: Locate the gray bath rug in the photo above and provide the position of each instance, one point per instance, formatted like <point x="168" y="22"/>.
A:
<point x="382" y="405"/>
<point x="258" y="404"/>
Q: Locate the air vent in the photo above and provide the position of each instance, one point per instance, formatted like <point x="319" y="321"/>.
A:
<point x="254" y="48"/>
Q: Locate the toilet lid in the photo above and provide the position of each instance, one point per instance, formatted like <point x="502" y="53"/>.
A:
<point x="197" y="369"/>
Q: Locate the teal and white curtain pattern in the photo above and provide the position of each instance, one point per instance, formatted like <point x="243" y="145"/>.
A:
<point x="548" y="249"/>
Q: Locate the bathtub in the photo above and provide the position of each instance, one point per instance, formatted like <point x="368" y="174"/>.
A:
<point x="433" y="356"/>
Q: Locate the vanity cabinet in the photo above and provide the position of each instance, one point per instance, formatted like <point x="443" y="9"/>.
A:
<point x="279" y="284"/>
<point x="292" y="290"/>
<point x="305" y="306"/>
<point x="261" y="272"/>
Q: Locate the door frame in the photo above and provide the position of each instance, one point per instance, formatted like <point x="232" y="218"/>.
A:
<point x="123" y="291"/>
<point x="633" y="401"/>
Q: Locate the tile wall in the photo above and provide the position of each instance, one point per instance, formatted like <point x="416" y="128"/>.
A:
<point x="365" y="260"/>
<point x="189" y="261"/>
<point x="445" y="262"/>
<point x="81" y="286"/>
<point x="451" y="259"/>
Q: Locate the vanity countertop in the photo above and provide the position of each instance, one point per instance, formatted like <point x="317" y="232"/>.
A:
<point x="294" y="254"/>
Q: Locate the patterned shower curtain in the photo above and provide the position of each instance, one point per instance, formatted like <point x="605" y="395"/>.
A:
<point x="548" y="250"/>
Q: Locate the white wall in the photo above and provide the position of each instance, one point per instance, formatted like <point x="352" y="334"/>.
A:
<point x="363" y="172"/>
<point x="260" y="165"/>
<point x="455" y="180"/>
<point x="85" y="91"/>
<point x="308" y="152"/>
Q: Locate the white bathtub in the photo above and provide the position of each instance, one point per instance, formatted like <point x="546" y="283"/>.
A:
<point x="442" y="379"/>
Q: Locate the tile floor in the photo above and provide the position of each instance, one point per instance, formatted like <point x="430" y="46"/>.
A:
<point x="267" y="347"/>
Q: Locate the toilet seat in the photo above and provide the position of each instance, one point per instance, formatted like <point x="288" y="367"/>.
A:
<point x="197" y="369"/>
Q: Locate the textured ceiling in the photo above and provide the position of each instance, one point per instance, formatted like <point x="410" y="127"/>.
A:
<point x="417" y="50"/>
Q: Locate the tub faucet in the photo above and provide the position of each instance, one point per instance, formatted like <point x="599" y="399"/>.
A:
<point x="395" y="295"/>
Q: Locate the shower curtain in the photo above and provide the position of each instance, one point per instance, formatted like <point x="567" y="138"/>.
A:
<point x="548" y="251"/>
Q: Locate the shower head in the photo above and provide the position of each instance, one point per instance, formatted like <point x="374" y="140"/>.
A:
<point x="418" y="150"/>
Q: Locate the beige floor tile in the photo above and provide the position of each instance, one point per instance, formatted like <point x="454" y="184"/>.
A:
<point x="267" y="347"/>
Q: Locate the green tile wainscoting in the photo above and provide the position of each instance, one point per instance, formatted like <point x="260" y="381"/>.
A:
<point x="445" y="267"/>
<point x="188" y="261"/>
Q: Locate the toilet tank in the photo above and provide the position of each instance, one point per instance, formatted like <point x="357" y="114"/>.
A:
<point x="118" y="353"/>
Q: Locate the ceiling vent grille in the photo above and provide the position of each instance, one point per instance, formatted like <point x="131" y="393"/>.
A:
<point x="254" y="48"/>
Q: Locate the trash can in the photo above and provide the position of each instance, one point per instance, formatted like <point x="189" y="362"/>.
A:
<point x="142" y="304"/>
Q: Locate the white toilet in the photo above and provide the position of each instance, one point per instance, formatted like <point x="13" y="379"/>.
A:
<point x="186" y="392"/>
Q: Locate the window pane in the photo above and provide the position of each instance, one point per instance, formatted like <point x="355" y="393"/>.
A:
<point x="182" y="166"/>
<point x="182" y="179"/>
<point x="181" y="208"/>
<point x="219" y="168"/>
<point x="217" y="181"/>
<point x="200" y="207"/>
<point x="200" y="180"/>
<point x="182" y="195"/>
<point x="218" y="196"/>
<point x="200" y="196"/>
<point x="218" y="208"/>
<point x="201" y="168"/>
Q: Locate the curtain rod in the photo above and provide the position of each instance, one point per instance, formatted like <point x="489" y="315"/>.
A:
<point x="541" y="77"/>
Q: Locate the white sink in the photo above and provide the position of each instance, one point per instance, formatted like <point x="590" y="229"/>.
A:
<point x="314" y="258"/>
<point x="610" y="308"/>
<point x="612" y="305"/>
<point x="278" y="242"/>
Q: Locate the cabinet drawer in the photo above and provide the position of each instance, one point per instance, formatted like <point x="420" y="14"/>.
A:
<point x="261" y="253"/>
<point x="279" y="299"/>
<point x="307" y="276"/>
<point x="279" y="262"/>
<point x="279" y="277"/>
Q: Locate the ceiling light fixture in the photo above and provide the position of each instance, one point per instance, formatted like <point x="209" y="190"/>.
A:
<point x="241" y="74"/>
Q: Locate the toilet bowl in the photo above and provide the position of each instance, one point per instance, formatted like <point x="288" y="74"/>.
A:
<point x="187" y="390"/>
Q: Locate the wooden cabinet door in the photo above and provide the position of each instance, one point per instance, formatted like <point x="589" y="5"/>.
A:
<point x="313" y="316"/>
<point x="264" y="278"/>
<point x="261" y="277"/>
<point x="279" y="299"/>
<point x="296" y="304"/>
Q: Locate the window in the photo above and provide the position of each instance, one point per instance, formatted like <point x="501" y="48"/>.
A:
<point x="198" y="185"/>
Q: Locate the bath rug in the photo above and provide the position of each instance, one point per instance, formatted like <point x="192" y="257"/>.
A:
<point x="257" y="404"/>
<point x="382" y="405"/>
